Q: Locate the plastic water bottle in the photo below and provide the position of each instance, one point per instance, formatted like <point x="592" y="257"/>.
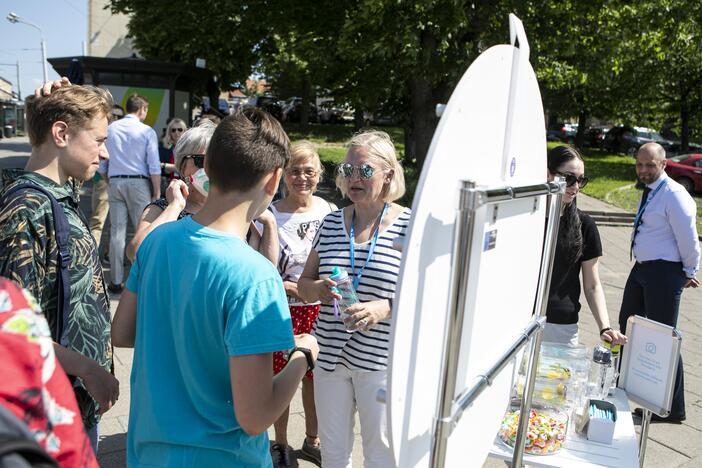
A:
<point x="613" y="374"/>
<point x="599" y="380"/>
<point x="344" y="288"/>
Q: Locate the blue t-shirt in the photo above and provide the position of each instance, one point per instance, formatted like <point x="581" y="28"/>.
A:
<point x="202" y="296"/>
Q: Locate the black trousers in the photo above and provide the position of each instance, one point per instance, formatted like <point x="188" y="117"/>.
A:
<point x="653" y="290"/>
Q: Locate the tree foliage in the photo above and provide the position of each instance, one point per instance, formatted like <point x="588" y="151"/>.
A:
<point x="635" y="62"/>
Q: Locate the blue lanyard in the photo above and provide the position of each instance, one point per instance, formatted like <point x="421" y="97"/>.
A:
<point x="642" y="208"/>
<point x="352" y="240"/>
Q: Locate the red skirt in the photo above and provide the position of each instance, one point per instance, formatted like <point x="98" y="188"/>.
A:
<point x="303" y="318"/>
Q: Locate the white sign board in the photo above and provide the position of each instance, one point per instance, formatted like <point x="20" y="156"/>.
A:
<point x="491" y="132"/>
<point x="650" y="363"/>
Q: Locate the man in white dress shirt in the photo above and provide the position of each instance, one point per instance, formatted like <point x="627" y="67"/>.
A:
<point x="666" y="248"/>
<point x="134" y="178"/>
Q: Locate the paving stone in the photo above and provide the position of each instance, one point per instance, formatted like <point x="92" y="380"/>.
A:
<point x="112" y="440"/>
<point x="658" y="456"/>
<point x="113" y="460"/>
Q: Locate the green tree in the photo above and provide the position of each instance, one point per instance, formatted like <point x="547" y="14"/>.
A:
<point x="665" y="59"/>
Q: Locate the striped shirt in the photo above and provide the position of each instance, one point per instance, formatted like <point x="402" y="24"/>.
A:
<point x="360" y="350"/>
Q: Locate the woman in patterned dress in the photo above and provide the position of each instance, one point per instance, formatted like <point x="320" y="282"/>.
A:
<point x="298" y="216"/>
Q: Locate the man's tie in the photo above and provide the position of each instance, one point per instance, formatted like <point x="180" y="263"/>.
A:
<point x="639" y="215"/>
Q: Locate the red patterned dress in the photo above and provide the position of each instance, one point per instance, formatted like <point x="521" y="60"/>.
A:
<point x="33" y="386"/>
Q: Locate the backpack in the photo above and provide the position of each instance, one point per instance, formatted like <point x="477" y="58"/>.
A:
<point x="62" y="232"/>
<point x="18" y="449"/>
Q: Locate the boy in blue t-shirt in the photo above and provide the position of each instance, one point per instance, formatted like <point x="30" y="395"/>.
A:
<point x="205" y="312"/>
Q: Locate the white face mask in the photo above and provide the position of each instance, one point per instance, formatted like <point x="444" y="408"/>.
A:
<point x="200" y="182"/>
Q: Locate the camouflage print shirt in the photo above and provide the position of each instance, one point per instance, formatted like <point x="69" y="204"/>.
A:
<point x="28" y="255"/>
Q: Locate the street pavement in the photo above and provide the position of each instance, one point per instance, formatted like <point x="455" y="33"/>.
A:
<point x="669" y="445"/>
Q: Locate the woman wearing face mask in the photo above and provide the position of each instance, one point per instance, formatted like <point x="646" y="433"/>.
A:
<point x="185" y="197"/>
<point x="578" y="249"/>
<point x="359" y="238"/>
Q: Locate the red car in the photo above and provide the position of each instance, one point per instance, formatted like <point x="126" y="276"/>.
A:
<point x="686" y="169"/>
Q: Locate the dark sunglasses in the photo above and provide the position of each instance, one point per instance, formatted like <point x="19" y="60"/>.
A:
<point x="365" y="171"/>
<point x="570" y="179"/>
<point x="179" y="130"/>
<point x="198" y="159"/>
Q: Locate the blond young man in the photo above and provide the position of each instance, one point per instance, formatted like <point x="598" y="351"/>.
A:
<point x="67" y="131"/>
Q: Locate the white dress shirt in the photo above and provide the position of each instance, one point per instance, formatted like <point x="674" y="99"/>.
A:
<point x="668" y="230"/>
<point x="133" y="149"/>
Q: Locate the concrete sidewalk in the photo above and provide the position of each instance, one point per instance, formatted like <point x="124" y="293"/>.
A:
<point x="669" y="445"/>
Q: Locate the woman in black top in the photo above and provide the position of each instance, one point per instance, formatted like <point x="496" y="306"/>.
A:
<point x="578" y="249"/>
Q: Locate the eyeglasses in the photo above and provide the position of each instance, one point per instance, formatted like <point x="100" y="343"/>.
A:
<point x="570" y="179"/>
<point x="299" y="172"/>
<point x="179" y="130"/>
<point x="198" y="159"/>
<point x="365" y="171"/>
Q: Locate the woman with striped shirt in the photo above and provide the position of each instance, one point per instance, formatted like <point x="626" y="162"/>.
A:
<point x="352" y="365"/>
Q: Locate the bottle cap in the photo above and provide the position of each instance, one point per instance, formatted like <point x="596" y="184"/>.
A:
<point x="338" y="274"/>
<point x="601" y="355"/>
<point x="615" y="348"/>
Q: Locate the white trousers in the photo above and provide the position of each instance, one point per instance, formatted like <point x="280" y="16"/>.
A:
<point x="338" y="395"/>
<point x="128" y="198"/>
<point x="561" y="334"/>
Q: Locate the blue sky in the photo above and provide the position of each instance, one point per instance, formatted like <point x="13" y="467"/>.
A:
<point x="64" y="24"/>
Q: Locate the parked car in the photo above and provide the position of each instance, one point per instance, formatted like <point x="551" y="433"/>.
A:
<point x="236" y="102"/>
<point x="268" y="103"/>
<point x="328" y="112"/>
<point x="686" y="169"/>
<point x="675" y="148"/>
<point x="292" y="108"/>
<point x="627" y="140"/>
<point x="594" y="136"/>
<point x="562" y="132"/>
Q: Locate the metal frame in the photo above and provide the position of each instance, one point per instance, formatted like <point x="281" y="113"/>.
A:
<point x="451" y="410"/>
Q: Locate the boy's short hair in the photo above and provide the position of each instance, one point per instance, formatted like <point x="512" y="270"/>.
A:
<point x="136" y="102"/>
<point x="75" y="105"/>
<point x="246" y="146"/>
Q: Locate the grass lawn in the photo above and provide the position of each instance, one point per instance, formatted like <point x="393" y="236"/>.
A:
<point x="609" y="173"/>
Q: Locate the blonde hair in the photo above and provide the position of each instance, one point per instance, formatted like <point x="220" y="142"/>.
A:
<point x="304" y="150"/>
<point x="381" y="150"/>
<point x="167" y="140"/>
<point x="75" y="105"/>
<point x="300" y="151"/>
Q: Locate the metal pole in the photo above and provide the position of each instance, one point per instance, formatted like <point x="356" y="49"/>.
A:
<point x="43" y="60"/>
<point x="645" y="424"/>
<point x="19" y="89"/>
<point x="540" y="306"/>
<point x="463" y="236"/>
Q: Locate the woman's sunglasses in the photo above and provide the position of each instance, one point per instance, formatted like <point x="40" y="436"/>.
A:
<point x="179" y="130"/>
<point x="198" y="159"/>
<point x="570" y="179"/>
<point x="365" y="171"/>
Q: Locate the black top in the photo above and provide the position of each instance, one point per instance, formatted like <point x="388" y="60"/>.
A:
<point x="564" y="295"/>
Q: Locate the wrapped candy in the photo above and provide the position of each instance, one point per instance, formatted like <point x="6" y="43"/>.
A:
<point x="545" y="435"/>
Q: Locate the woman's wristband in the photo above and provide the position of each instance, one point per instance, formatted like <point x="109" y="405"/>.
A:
<point x="605" y="329"/>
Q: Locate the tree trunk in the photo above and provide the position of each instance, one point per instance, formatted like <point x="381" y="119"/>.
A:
<point x="422" y="102"/>
<point x="305" y="105"/>
<point x="423" y="118"/>
<point x="358" y="122"/>
<point x="684" y="124"/>
<point x="582" y="126"/>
